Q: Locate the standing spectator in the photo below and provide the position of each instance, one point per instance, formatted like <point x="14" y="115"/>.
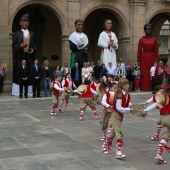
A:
<point x="160" y="73"/>
<point x="78" y="45"/>
<point x="64" y="70"/>
<point x="122" y="64"/>
<point x="92" y="67"/>
<point x="23" y="79"/>
<point x="120" y="71"/>
<point x="57" y="71"/>
<point x="109" y="44"/>
<point x="2" y="75"/>
<point x="152" y="73"/>
<point x="97" y="70"/>
<point x="103" y="72"/>
<point x="36" y="75"/>
<point x="76" y="74"/>
<point x="129" y="75"/>
<point x="85" y="72"/>
<point x="167" y="75"/>
<point x="111" y="69"/>
<point x="46" y="78"/>
<point x="147" y="55"/>
<point x="137" y="78"/>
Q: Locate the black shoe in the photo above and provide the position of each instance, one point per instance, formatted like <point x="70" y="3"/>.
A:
<point x="26" y="97"/>
<point x="20" y="97"/>
<point x="60" y="110"/>
<point x="33" y="96"/>
<point x="39" y="96"/>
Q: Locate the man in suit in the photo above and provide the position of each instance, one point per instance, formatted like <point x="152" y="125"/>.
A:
<point x="35" y="77"/>
<point x="24" y="44"/>
<point x="76" y="74"/>
<point x="23" y="79"/>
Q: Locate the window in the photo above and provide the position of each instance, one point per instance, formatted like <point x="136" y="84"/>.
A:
<point x="163" y="41"/>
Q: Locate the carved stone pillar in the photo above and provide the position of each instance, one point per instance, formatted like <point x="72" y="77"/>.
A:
<point x="73" y="13"/>
<point x="65" y="49"/>
<point x="137" y="21"/>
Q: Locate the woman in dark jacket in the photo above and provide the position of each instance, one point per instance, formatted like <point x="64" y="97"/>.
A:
<point x="103" y="72"/>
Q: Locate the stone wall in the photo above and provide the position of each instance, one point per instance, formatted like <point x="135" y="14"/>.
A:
<point x="130" y="17"/>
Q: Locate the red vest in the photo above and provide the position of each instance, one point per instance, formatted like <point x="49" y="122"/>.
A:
<point x="154" y="100"/>
<point x="124" y="103"/>
<point x="67" y="83"/>
<point x="93" y="86"/>
<point x="88" y="93"/>
<point x="55" y="91"/>
<point x="165" y="109"/>
<point x="108" y="100"/>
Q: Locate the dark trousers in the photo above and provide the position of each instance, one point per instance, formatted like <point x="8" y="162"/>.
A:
<point x="36" y="87"/>
<point x="77" y="83"/>
<point x="153" y="83"/>
<point x="159" y="78"/>
<point x="25" y="85"/>
<point x="1" y="83"/>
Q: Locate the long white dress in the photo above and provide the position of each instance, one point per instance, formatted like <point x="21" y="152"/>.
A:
<point x="108" y="54"/>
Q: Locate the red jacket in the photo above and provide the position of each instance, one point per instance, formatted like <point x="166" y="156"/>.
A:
<point x="156" y="72"/>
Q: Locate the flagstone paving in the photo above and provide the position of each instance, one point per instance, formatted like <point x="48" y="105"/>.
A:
<point x="31" y="139"/>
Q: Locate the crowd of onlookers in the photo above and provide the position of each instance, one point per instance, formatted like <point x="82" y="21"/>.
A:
<point x="160" y="75"/>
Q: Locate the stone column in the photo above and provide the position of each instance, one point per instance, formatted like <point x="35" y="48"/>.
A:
<point x="65" y="49"/>
<point x="73" y="14"/>
<point x="137" y="21"/>
<point x="5" y="43"/>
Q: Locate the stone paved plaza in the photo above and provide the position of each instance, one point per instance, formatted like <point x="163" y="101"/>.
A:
<point x="31" y="139"/>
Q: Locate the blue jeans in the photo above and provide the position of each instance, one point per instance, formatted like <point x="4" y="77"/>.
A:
<point x="46" y="84"/>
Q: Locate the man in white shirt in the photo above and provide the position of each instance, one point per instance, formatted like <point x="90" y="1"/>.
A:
<point x="65" y="69"/>
<point x="122" y="64"/>
<point x="152" y="73"/>
<point x="111" y="69"/>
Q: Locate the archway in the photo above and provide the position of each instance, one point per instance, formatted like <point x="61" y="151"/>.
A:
<point x="93" y="26"/>
<point x="161" y="30"/>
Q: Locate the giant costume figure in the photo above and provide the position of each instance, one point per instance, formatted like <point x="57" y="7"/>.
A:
<point x="109" y="43"/>
<point x="24" y="45"/>
<point x="78" y="45"/>
<point x="147" y="55"/>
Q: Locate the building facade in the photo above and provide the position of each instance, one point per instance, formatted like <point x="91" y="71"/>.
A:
<point x="53" y="21"/>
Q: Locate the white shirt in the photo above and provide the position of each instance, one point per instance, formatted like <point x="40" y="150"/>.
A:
<point x="56" y="86"/>
<point x="152" y="70"/>
<point x="70" y="84"/>
<point x="123" y="66"/>
<point x="68" y="70"/>
<point x="26" y="32"/>
<point x="151" y="107"/>
<point x="104" y="101"/>
<point x="112" y="70"/>
<point x="150" y="100"/>
<point x="119" y="105"/>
